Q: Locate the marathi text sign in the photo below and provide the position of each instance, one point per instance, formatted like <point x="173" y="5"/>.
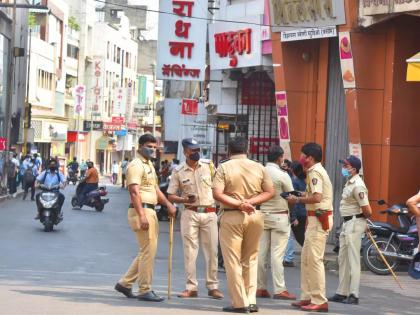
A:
<point x="374" y="7"/>
<point x="308" y="33"/>
<point x="182" y="40"/>
<point x="79" y="99"/>
<point x="306" y="13"/>
<point x="3" y="144"/>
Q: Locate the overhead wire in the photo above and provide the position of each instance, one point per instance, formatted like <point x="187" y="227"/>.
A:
<point x="140" y="8"/>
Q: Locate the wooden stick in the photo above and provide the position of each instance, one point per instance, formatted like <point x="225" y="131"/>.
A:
<point x="384" y="259"/>
<point x="171" y="247"/>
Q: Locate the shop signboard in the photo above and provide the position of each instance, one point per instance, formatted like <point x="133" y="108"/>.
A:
<point x="111" y="126"/>
<point x="3" y="144"/>
<point x="98" y="63"/>
<point x="142" y="89"/>
<point x="189" y="107"/>
<point x="261" y="145"/>
<point x="375" y="7"/>
<point x="120" y="95"/>
<point x="79" y="99"/>
<point x="346" y="60"/>
<point x="309" y="33"/>
<point x="182" y="40"/>
<point x="97" y="125"/>
<point x="294" y="14"/>
<point x="235" y="45"/>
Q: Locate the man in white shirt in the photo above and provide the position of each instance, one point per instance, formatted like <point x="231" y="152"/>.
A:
<point x="115" y="169"/>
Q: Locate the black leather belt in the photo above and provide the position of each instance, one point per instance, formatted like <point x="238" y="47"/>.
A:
<point x="235" y="209"/>
<point x="144" y="205"/>
<point x="349" y="217"/>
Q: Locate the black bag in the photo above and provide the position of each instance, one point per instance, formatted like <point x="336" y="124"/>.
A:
<point x="28" y="176"/>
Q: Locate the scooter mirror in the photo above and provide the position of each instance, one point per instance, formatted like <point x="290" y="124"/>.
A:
<point x="381" y="202"/>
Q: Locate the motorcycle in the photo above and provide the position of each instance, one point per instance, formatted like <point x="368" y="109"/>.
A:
<point x="72" y="176"/>
<point x="398" y="243"/>
<point x="93" y="198"/>
<point x="162" y="210"/>
<point x="48" y="208"/>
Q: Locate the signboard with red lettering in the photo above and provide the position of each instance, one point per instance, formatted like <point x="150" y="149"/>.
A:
<point x="3" y="144"/>
<point x="235" y="45"/>
<point x="79" y="99"/>
<point x="182" y="40"/>
<point x="261" y="145"/>
<point x="111" y="126"/>
<point x="118" y="120"/>
<point x="189" y="107"/>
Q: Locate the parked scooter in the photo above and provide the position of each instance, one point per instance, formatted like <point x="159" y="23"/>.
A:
<point x="48" y="207"/>
<point x="162" y="210"/>
<point x="93" y="199"/>
<point x="71" y="176"/>
<point x="396" y="242"/>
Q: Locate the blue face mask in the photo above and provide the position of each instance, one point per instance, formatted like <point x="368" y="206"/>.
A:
<point x="345" y="172"/>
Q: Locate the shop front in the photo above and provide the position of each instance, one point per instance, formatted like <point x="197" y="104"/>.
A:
<point x="241" y="85"/>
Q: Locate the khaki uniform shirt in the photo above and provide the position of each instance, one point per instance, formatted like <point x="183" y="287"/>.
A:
<point x="196" y="182"/>
<point x="318" y="181"/>
<point x="355" y="196"/>
<point x="142" y="172"/>
<point x="282" y="183"/>
<point x="241" y="178"/>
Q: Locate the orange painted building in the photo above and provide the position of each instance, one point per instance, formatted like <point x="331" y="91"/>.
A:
<point x="382" y="111"/>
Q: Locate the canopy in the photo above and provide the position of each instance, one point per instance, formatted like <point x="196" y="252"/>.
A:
<point x="413" y="68"/>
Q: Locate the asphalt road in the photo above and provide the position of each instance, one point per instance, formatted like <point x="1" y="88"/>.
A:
<point x="73" y="269"/>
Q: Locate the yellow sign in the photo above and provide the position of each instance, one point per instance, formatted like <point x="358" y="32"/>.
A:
<point x="413" y="68"/>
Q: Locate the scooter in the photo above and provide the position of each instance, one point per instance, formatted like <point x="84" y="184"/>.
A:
<point x="93" y="199"/>
<point x="48" y="208"/>
<point x="398" y="243"/>
<point x="162" y="210"/>
<point x="71" y="176"/>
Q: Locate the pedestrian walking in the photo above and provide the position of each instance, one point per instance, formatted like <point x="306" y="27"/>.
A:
<point x="354" y="210"/>
<point x="241" y="186"/>
<point x="276" y="230"/>
<point x="29" y="177"/>
<point x="12" y="166"/>
<point x="124" y="165"/>
<point x="114" y="171"/>
<point x="193" y="180"/>
<point x="144" y="192"/>
<point x="297" y="215"/>
<point x="83" y="168"/>
<point x="318" y="200"/>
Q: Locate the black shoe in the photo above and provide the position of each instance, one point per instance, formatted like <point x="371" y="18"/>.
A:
<point x="126" y="291"/>
<point x="150" y="296"/>
<point x="37" y="217"/>
<point x="338" y="298"/>
<point x="231" y="309"/>
<point x="336" y="249"/>
<point x="253" y="308"/>
<point x="288" y="264"/>
<point x="352" y="300"/>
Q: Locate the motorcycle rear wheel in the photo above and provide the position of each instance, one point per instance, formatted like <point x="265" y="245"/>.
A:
<point x="374" y="262"/>
<point x="99" y="207"/>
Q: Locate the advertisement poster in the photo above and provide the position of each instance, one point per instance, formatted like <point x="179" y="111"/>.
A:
<point x="356" y="150"/>
<point x="282" y="116"/>
<point x="346" y="60"/>
<point x="189" y="107"/>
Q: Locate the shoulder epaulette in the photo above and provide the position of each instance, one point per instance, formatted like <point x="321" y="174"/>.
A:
<point x="223" y="161"/>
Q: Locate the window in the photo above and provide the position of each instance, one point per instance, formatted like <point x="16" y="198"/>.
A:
<point x="118" y="55"/>
<point x="107" y="81"/>
<point x="107" y="50"/>
<point x="45" y="80"/>
<point x="72" y="51"/>
<point x="115" y="53"/>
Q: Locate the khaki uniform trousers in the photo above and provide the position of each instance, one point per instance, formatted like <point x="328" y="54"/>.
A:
<point x="349" y="256"/>
<point x="274" y="239"/>
<point x="141" y="268"/>
<point x="312" y="282"/>
<point x="195" y="228"/>
<point x="239" y="239"/>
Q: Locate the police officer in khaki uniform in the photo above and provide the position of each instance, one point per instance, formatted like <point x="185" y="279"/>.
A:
<point x="318" y="200"/>
<point x="144" y="192"/>
<point x="241" y="185"/>
<point x="276" y="229"/>
<point x="193" y="180"/>
<point x="354" y="209"/>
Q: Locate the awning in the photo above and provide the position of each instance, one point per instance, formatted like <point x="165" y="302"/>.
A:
<point x="413" y="68"/>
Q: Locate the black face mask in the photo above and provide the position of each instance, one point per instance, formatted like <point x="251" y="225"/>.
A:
<point x="52" y="168"/>
<point x="195" y="156"/>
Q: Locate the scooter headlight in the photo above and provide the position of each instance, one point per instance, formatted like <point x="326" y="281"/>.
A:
<point x="48" y="200"/>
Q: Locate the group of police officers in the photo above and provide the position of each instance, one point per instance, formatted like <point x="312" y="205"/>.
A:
<point x="253" y="221"/>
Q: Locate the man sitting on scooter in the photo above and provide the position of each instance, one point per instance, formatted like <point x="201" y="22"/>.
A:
<point x="51" y="177"/>
<point x="90" y="182"/>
